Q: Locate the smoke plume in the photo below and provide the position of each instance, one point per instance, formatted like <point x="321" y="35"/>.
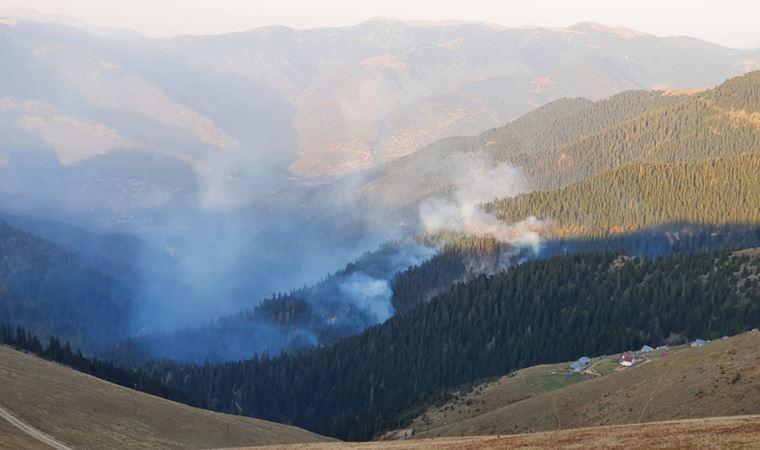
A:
<point x="477" y="183"/>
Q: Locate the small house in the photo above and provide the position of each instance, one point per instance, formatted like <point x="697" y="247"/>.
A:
<point x="698" y="343"/>
<point x="582" y="364"/>
<point x="646" y="349"/>
<point x="628" y="360"/>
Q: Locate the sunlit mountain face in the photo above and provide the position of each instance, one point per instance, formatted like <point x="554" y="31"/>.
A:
<point x="348" y="229"/>
<point x="215" y="149"/>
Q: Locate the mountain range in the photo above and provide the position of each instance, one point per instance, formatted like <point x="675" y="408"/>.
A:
<point x="101" y="118"/>
<point x="568" y="140"/>
<point x="345" y="228"/>
<point x="691" y="188"/>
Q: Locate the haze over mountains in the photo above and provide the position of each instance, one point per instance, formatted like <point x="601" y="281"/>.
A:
<point x="368" y="94"/>
<point x="191" y="144"/>
<point x="692" y="190"/>
<point x="127" y="132"/>
<point x="337" y="227"/>
<point x="110" y="113"/>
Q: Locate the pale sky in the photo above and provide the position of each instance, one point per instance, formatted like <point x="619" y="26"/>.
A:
<point x="728" y="22"/>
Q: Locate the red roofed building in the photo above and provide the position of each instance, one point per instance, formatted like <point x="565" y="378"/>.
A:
<point x="628" y="360"/>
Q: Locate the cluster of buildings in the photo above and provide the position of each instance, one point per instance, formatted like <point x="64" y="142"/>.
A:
<point x="582" y="364"/>
<point x="632" y="358"/>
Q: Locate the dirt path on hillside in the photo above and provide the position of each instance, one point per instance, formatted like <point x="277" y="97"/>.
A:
<point x="31" y="431"/>
<point x="657" y="386"/>
<point x="556" y="411"/>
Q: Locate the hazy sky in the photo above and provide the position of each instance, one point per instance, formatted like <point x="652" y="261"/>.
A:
<point x="728" y="22"/>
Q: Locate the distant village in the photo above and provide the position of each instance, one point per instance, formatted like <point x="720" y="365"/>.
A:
<point x="631" y="358"/>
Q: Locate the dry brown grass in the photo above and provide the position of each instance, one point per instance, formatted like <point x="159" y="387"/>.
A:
<point x="692" y="384"/>
<point x="13" y="439"/>
<point x="689" y="383"/>
<point x="84" y="412"/>
<point x="518" y="386"/>
<point x="713" y="433"/>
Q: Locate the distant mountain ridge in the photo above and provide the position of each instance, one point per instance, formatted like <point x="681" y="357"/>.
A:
<point x="323" y="102"/>
<point x="370" y="93"/>
<point x="569" y="140"/>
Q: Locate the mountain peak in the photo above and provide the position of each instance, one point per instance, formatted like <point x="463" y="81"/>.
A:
<point x="622" y="32"/>
<point x="433" y="23"/>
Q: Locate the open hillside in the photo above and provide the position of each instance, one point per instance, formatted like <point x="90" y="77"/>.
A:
<point x="721" y="191"/>
<point x="11" y="438"/>
<point x="719" y="379"/>
<point x="80" y="411"/>
<point x="723" y="432"/>
<point x="569" y="140"/>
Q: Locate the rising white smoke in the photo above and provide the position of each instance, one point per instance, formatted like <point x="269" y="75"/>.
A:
<point x="368" y="294"/>
<point x="478" y="181"/>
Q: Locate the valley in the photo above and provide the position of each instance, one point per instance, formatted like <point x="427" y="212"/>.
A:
<point x="537" y="312"/>
<point x="382" y="233"/>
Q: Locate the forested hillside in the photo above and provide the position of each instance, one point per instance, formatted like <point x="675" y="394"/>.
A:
<point x="51" y="292"/>
<point x="689" y="130"/>
<point x="712" y="192"/>
<point x="557" y="124"/>
<point x="541" y="311"/>
<point x="567" y="141"/>
<point x="342" y="304"/>
<point x="433" y="169"/>
<point x="739" y="94"/>
<point x="121" y="256"/>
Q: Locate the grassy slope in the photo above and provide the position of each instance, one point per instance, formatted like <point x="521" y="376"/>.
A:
<point x="689" y="383"/>
<point x="85" y="412"/>
<point x="723" y="432"/>
<point x="694" y="383"/>
<point x="11" y="438"/>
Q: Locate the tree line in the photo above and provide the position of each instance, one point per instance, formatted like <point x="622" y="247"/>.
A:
<point x="62" y="352"/>
<point x="538" y="312"/>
